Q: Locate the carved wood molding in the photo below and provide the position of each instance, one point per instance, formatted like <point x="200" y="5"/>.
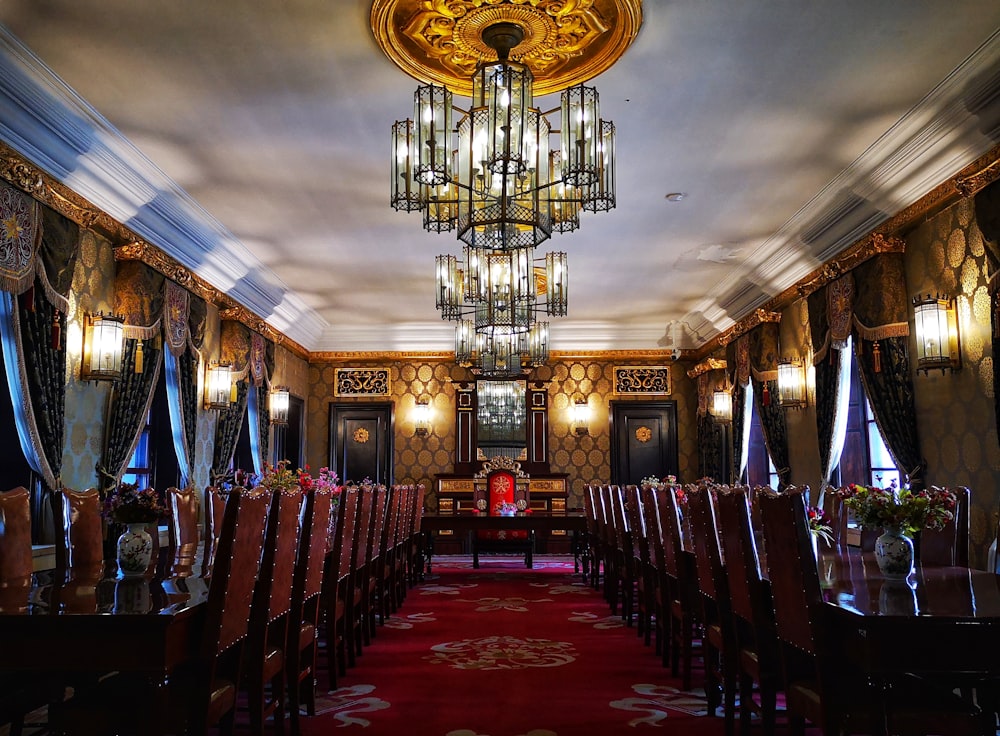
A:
<point x="708" y="364"/>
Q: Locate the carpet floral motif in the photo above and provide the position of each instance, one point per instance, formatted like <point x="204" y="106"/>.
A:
<point x="502" y="653"/>
<point x="346" y="702"/>
<point x="446" y="589"/>
<point x="532" y="732"/>
<point x="598" y="622"/>
<point x="519" y="605"/>
<point x="407" y="622"/>
<point x="563" y="588"/>
<point x="657" y="700"/>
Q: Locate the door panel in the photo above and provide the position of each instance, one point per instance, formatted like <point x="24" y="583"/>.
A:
<point x="361" y="442"/>
<point x="643" y="440"/>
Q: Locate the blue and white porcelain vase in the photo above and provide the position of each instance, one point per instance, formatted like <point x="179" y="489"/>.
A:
<point x="135" y="549"/>
<point x="894" y="554"/>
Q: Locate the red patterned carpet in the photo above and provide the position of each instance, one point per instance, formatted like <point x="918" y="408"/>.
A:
<point x="505" y="651"/>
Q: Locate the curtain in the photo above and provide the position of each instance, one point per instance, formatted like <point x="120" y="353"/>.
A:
<point x="227" y="432"/>
<point x="987" y="207"/>
<point x="764" y="353"/>
<point x="36" y="272"/>
<point x="830" y="318"/>
<point x="882" y="332"/>
<point x="260" y="368"/>
<point x="738" y="355"/>
<point x="139" y="298"/>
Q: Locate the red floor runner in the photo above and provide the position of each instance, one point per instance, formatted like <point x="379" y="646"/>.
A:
<point x="505" y="651"/>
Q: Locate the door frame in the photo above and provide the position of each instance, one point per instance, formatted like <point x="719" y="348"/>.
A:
<point x="382" y="408"/>
<point x="670" y="453"/>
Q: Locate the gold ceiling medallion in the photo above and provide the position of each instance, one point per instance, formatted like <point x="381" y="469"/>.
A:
<point x="565" y="43"/>
<point x="644" y="434"/>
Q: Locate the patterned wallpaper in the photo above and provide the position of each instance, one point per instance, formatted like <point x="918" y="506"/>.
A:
<point x="955" y="416"/>
<point x="585" y="459"/>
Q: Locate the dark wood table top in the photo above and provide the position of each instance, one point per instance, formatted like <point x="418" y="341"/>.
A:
<point x="536" y="520"/>
<point x="97" y="621"/>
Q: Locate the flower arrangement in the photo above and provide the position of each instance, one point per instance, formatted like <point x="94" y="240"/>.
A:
<point x="505" y="508"/>
<point x="126" y="504"/>
<point x="900" y="508"/>
<point x="279" y="477"/>
<point x="819" y="524"/>
<point x="652" y="480"/>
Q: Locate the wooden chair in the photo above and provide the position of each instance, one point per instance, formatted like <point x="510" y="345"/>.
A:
<point x="758" y="659"/>
<point x="624" y="557"/>
<point x="184" y="507"/>
<point x="307" y="584"/>
<point x="79" y="537"/>
<point x="949" y="546"/>
<point x="385" y="572"/>
<point x="415" y="561"/>
<point x="359" y="569"/>
<point x="593" y="553"/>
<point x="658" y="575"/>
<point x="267" y="637"/>
<point x="377" y="543"/>
<point x="719" y="639"/>
<point x="337" y="588"/>
<point x="215" y="509"/>
<point x="820" y="686"/>
<point x="501" y="480"/>
<point x="682" y="587"/>
<point x="19" y="694"/>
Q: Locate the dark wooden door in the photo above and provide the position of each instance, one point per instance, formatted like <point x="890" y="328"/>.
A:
<point x="361" y="442"/>
<point x="643" y="440"/>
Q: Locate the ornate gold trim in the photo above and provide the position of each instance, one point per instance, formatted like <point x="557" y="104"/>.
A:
<point x="758" y="317"/>
<point x="565" y="43"/>
<point x="708" y="364"/>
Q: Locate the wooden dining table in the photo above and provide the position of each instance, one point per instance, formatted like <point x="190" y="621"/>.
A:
<point x="939" y="620"/>
<point x="94" y="621"/>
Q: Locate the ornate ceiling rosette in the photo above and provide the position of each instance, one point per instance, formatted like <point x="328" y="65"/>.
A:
<point x="566" y="42"/>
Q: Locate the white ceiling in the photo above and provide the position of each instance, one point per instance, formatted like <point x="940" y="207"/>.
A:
<point x="256" y="151"/>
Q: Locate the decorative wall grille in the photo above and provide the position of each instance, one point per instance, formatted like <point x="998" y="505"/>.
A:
<point x="361" y="382"/>
<point x="642" y="379"/>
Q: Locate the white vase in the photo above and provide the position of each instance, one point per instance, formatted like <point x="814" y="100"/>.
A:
<point x="894" y="554"/>
<point x="135" y="549"/>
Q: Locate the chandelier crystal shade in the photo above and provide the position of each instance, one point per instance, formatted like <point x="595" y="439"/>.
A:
<point x="494" y="174"/>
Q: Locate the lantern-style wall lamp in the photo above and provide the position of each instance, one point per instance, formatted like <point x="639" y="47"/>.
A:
<point x="791" y="384"/>
<point x="422" y="417"/>
<point x="936" y="326"/>
<point x="278" y="405"/>
<point x="103" y="347"/>
<point x="722" y="405"/>
<point x="218" y="386"/>
<point x="580" y="419"/>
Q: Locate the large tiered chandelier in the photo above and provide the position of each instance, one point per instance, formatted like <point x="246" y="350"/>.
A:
<point x="497" y="180"/>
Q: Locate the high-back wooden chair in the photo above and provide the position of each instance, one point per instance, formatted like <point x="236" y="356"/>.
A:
<point x="337" y="587"/>
<point x="750" y="598"/>
<point x="79" y="537"/>
<point x="359" y="567"/>
<point x="820" y="685"/>
<point x="948" y="546"/>
<point x="682" y="586"/>
<point x="267" y="636"/>
<point x="719" y="640"/>
<point x="215" y="509"/>
<point x="501" y="480"/>
<point x="592" y="556"/>
<point x="377" y="542"/>
<point x="230" y="595"/>
<point x="415" y="563"/>
<point x="183" y="506"/>
<point x="307" y="585"/>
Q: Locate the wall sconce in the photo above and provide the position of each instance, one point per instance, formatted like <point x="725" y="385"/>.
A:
<point x="936" y="325"/>
<point x="103" y="347"/>
<point x="581" y="417"/>
<point x="722" y="405"/>
<point x="218" y="386"/>
<point x="791" y="384"/>
<point x="422" y="417"/>
<point x="278" y="405"/>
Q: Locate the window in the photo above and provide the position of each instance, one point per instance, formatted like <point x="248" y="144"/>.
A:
<point x="760" y="469"/>
<point x="154" y="462"/>
<point x="865" y="458"/>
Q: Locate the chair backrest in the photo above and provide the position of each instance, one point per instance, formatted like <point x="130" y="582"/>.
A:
<point x="949" y="546"/>
<point x="376" y="536"/>
<point x="79" y="541"/>
<point x="635" y="517"/>
<point x="501" y="480"/>
<point x="364" y="523"/>
<point x="791" y="569"/>
<point x="740" y="552"/>
<point x="707" y="551"/>
<point x="15" y="535"/>
<point x="280" y="546"/>
<point x="183" y="505"/>
<point x="317" y="511"/>
<point x="669" y="520"/>
<point x="345" y="538"/>
<point x="655" y="539"/>
<point x="237" y="566"/>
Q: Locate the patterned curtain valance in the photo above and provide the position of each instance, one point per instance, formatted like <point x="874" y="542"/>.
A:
<point x="831" y="315"/>
<point x="880" y="301"/>
<point x="738" y="354"/>
<point x="764" y="351"/>
<point x="249" y="353"/>
<point x="148" y="301"/>
<point x="36" y="241"/>
<point x="704" y="393"/>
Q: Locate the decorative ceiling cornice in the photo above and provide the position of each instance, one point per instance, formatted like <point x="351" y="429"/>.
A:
<point x="758" y="317"/>
<point x="708" y="364"/>
<point x="565" y="43"/>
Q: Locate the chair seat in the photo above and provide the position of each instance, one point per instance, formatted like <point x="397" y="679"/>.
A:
<point x="307" y="634"/>
<point x="222" y="699"/>
<point x="274" y="662"/>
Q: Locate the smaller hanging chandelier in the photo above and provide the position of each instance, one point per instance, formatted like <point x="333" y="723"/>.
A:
<point x="278" y="402"/>
<point x="103" y="348"/>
